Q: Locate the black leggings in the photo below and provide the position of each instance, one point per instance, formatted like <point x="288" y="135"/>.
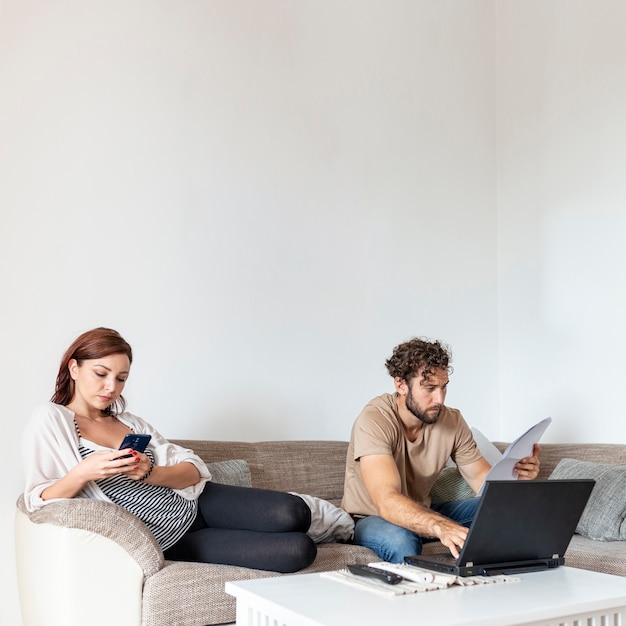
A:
<point x="249" y="527"/>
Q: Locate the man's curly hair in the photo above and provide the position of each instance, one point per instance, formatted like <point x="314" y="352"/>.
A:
<point x="418" y="356"/>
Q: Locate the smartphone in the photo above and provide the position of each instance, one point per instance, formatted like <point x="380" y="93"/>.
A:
<point x="136" y="442"/>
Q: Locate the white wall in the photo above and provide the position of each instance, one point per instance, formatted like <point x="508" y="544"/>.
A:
<point x="264" y="198"/>
<point x="561" y="88"/>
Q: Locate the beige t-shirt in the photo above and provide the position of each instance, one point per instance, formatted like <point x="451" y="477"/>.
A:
<point x="378" y="430"/>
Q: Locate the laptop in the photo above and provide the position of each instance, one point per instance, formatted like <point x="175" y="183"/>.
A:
<point x="520" y="526"/>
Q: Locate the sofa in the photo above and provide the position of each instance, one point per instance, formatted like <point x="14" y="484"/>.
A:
<point x="83" y="560"/>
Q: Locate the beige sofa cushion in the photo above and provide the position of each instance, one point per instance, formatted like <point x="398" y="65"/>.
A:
<point x="608" y="557"/>
<point x="195" y="591"/>
<point x="313" y="467"/>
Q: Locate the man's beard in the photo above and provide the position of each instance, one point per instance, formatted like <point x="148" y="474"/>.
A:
<point x="411" y="405"/>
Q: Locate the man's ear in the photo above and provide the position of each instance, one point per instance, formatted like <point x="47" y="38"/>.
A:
<point x="401" y="387"/>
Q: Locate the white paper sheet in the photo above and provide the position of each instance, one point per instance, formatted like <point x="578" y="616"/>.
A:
<point x="520" y="448"/>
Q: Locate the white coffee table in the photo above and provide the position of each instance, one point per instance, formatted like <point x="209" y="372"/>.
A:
<point x="558" y="597"/>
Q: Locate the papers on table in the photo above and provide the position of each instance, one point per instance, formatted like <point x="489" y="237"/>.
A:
<point x="520" y="448"/>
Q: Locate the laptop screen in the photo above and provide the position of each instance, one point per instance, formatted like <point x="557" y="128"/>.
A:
<point x="525" y="520"/>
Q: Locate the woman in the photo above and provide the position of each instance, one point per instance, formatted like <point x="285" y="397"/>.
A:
<point x="71" y="450"/>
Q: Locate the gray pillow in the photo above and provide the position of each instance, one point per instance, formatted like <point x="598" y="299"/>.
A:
<point x="235" y="472"/>
<point x="604" y="516"/>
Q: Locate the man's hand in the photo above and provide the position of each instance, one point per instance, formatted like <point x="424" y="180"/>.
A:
<point x="451" y="535"/>
<point x="528" y="467"/>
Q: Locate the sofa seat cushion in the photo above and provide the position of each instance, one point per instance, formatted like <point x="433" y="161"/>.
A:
<point x="597" y="556"/>
<point x="192" y="594"/>
<point x="604" y="517"/>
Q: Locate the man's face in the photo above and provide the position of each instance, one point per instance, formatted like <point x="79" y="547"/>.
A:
<point x="425" y="396"/>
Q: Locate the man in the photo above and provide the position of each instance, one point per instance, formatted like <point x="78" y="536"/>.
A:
<point x="399" y="444"/>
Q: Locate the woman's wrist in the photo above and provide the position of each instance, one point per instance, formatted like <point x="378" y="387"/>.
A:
<point x="147" y="474"/>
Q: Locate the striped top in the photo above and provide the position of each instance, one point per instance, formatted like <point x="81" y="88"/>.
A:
<point x="167" y="515"/>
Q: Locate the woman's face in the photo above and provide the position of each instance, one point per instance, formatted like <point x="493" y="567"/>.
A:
<point x="99" y="382"/>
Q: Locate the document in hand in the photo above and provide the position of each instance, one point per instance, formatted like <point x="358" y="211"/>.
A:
<point x="520" y="448"/>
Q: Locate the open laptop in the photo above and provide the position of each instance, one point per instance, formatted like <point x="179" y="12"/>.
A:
<point x="520" y="526"/>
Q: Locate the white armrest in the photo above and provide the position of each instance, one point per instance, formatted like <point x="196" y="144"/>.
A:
<point x="75" y="577"/>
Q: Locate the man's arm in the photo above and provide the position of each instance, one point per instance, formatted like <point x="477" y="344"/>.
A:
<point x="474" y="473"/>
<point x="382" y="481"/>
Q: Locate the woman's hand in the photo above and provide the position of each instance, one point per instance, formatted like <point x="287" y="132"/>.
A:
<point x="99" y="464"/>
<point x="138" y="467"/>
<point x="106" y="463"/>
<point x="110" y="462"/>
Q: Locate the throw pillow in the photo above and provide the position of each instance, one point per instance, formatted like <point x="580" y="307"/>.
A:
<point x="328" y="522"/>
<point x="450" y="485"/>
<point x="604" y="517"/>
<point x="235" y="472"/>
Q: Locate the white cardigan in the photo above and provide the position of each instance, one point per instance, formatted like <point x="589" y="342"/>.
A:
<point x="50" y="451"/>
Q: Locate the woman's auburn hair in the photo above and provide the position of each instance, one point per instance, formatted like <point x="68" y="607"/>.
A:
<point x="93" y="344"/>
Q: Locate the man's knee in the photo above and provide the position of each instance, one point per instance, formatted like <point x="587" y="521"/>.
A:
<point x="390" y="542"/>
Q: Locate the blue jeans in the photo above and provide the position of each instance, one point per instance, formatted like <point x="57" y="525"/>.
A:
<point x="392" y="543"/>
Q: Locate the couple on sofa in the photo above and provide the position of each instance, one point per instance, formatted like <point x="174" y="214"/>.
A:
<point x="398" y="446"/>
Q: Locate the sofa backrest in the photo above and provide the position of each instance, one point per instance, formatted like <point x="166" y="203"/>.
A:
<point x="552" y="453"/>
<point x="317" y="467"/>
<point x="308" y="467"/>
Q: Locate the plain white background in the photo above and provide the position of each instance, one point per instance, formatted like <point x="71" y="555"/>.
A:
<point x="265" y="198"/>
